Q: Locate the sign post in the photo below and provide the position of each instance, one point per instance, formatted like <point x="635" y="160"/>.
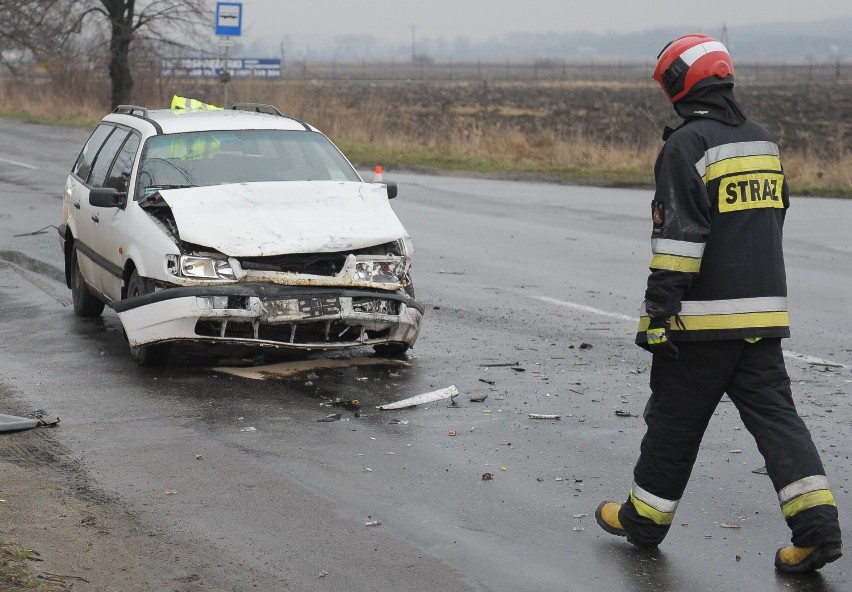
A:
<point x="229" y="23"/>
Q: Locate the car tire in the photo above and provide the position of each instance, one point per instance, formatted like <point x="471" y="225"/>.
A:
<point x="85" y="303"/>
<point x="145" y="355"/>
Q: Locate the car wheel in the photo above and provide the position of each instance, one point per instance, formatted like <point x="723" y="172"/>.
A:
<point x="85" y="304"/>
<point x="145" y="355"/>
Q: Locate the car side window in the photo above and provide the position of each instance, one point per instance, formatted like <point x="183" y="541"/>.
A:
<point x="83" y="166"/>
<point x="106" y="156"/>
<point x="119" y="174"/>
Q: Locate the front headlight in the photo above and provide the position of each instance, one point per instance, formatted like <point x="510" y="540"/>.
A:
<point x="387" y="271"/>
<point x="207" y="268"/>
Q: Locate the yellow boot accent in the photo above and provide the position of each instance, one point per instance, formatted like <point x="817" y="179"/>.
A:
<point x="607" y="518"/>
<point x="800" y="559"/>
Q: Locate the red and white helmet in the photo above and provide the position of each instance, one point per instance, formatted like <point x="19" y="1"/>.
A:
<point x="690" y="59"/>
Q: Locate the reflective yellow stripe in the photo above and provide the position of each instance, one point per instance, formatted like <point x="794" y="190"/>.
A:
<point x="656" y="336"/>
<point x="822" y="497"/>
<point x="732" y="321"/>
<point x="675" y="263"/>
<point x="643" y="509"/>
<point x="742" y="164"/>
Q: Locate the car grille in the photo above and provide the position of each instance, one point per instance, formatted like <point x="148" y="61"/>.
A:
<point x="326" y="332"/>
<point x="324" y="264"/>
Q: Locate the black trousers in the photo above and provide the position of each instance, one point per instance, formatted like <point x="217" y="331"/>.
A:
<point x="684" y="395"/>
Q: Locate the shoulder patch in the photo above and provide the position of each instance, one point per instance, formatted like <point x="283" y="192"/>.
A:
<point x="658" y="216"/>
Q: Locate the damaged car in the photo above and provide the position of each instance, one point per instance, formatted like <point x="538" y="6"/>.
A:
<point x="239" y="226"/>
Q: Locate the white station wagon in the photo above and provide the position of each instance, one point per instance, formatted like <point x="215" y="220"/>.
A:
<point x="241" y="226"/>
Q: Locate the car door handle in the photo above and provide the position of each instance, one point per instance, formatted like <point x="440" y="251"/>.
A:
<point x="95" y="218"/>
<point x="77" y="204"/>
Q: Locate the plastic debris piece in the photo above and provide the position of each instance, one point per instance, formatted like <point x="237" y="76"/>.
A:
<point x="322" y="574"/>
<point x="248" y="429"/>
<point x="478" y="398"/>
<point x="332" y="417"/>
<point x="487" y="476"/>
<point x="518" y="369"/>
<point x="621" y="413"/>
<point x="735" y="451"/>
<point x="170" y="492"/>
<point x="368" y="470"/>
<point x="451" y="433"/>
<point x="372" y="522"/>
<point x="760" y="471"/>
<point x="544" y="416"/>
<point x="199" y="457"/>
<point x="11" y="423"/>
<point x="585" y="346"/>
<point x="487" y="381"/>
<point x="444" y="393"/>
<point x="580" y="515"/>
<point x="730" y="525"/>
<point x="504" y="469"/>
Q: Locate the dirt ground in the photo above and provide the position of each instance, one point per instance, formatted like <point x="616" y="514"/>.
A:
<point x="59" y="534"/>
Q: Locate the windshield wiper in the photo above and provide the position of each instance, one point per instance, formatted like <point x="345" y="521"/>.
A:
<point x="171" y="186"/>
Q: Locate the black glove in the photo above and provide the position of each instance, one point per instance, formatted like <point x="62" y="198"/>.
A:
<point x="658" y="338"/>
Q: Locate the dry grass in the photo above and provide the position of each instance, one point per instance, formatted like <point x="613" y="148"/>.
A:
<point x="590" y="133"/>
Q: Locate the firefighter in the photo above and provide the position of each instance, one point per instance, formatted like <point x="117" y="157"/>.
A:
<point x="715" y="312"/>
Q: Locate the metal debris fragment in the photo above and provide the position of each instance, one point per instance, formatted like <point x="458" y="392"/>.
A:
<point x="332" y="417"/>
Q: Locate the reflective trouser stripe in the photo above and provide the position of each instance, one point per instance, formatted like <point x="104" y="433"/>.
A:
<point x="822" y="497"/>
<point x="723" y="321"/>
<point x="658" y="516"/>
<point x="675" y="263"/>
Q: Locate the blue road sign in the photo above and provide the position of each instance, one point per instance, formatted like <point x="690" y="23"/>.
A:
<point x="229" y="18"/>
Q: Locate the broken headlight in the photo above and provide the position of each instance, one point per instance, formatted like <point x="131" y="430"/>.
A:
<point x="380" y="270"/>
<point x="205" y="268"/>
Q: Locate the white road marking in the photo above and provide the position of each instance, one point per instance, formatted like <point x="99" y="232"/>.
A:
<point x="793" y="355"/>
<point x="16" y="163"/>
<point x="584" y="308"/>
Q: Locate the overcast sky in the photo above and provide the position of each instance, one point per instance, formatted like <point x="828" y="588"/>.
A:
<point x="392" y="20"/>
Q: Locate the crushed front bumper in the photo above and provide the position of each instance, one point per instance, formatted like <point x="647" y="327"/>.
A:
<point x="293" y="317"/>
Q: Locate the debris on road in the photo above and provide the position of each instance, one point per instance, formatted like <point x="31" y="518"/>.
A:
<point x="248" y="429"/>
<point x="332" y="417"/>
<point x="452" y="433"/>
<point x="12" y="423"/>
<point x="621" y="413"/>
<point x="730" y="525"/>
<point x="372" y="522"/>
<point x="491" y="382"/>
<point x="544" y="416"/>
<point x="351" y="404"/>
<point x="444" y="393"/>
<point x="500" y="365"/>
<point x="585" y="346"/>
<point x="478" y="398"/>
<point x="294" y="368"/>
<point x="487" y="476"/>
<point x="760" y="471"/>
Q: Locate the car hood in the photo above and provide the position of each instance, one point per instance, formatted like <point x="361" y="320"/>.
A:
<point x="275" y="218"/>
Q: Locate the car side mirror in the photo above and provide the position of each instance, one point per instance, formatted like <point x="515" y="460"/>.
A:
<point x="106" y="197"/>
<point x="392" y="189"/>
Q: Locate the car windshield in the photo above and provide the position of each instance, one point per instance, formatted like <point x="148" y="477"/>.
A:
<point x="218" y="157"/>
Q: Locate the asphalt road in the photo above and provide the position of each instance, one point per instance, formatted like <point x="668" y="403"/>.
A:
<point x="546" y="277"/>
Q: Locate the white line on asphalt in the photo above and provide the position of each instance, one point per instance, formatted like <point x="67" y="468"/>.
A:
<point x="584" y="308"/>
<point x="20" y="164"/>
<point x="604" y="313"/>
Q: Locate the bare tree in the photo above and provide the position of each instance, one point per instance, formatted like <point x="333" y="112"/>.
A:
<point x="39" y="26"/>
<point x="163" y="22"/>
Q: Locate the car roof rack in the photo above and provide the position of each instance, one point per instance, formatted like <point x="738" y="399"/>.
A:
<point x="257" y="108"/>
<point x="132" y="110"/>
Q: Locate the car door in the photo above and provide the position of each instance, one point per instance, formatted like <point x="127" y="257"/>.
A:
<point x="109" y="263"/>
<point x="78" y="212"/>
<point x="113" y="226"/>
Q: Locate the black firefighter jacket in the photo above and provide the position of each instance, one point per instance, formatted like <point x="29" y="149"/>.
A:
<point x="717" y="270"/>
